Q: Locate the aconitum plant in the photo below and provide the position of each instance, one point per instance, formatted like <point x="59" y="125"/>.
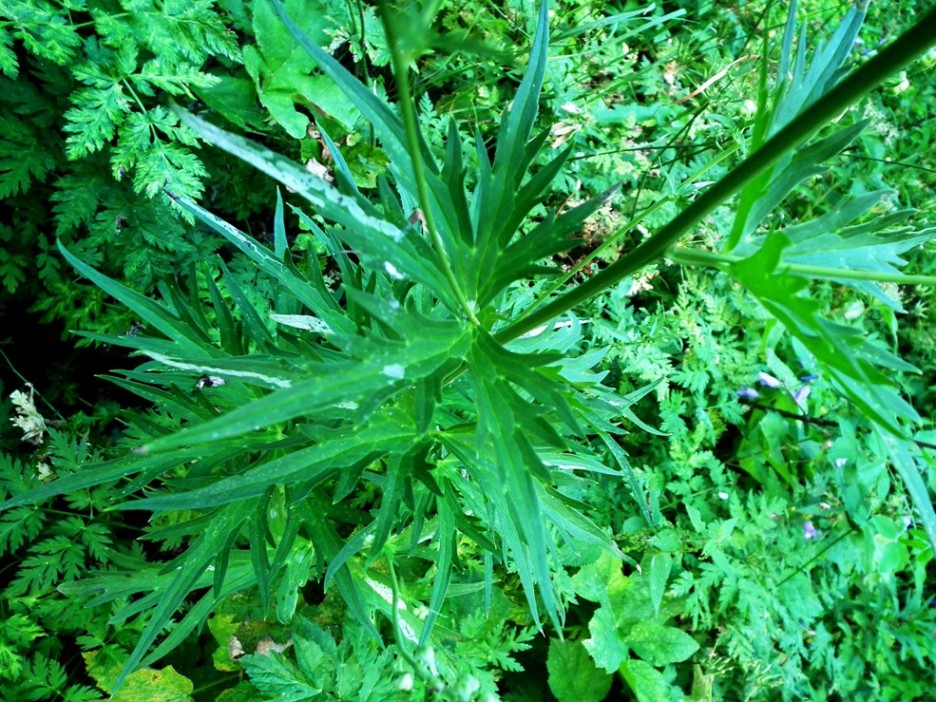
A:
<point x="440" y="376"/>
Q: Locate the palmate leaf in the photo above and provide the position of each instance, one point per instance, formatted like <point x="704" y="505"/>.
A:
<point x="386" y="433"/>
<point x="778" y="265"/>
<point x="797" y="87"/>
<point x="525" y="257"/>
<point x="798" y="167"/>
<point x="798" y="84"/>
<point x="493" y="203"/>
<point x="832" y="242"/>
<point x="474" y="230"/>
<point x="101" y="474"/>
<point x="853" y="361"/>
<point x="515" y="454"/>
<point x="366" y="380"/>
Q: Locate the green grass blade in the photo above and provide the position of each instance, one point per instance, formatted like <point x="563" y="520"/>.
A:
<point x="327" y="386"/>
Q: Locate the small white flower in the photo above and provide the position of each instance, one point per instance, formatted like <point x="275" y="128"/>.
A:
<point x="27" y="416"/>
<point x="723" y="496"/>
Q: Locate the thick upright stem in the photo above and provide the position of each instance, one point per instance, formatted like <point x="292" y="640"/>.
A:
<point x="899" y="53"/>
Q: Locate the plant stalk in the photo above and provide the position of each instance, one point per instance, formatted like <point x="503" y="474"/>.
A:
<point x="913" y="43"/>
<point x="411" y="125"/>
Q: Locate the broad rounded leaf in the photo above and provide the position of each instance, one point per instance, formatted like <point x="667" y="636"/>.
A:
<point x="573" y="676"/>
<point x="659" y="644"/>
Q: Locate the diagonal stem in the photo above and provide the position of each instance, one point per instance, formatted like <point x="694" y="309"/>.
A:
<point x="913" y="43"/>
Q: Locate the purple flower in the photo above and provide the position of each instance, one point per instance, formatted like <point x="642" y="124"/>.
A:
<point x="799" y="397"/>
<point x="809" y="531"/>
<point x="768" y="380"/>
<point x="748" y="394"/>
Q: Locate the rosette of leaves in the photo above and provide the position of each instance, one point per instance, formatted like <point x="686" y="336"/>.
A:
<point x="393" y="384"/>
<point x="419" y="401"/>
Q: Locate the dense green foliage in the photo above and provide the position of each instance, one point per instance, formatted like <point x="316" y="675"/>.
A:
<point x="562" y="366"/>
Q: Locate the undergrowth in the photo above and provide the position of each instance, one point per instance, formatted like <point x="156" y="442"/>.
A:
<point x="576" y="354"/>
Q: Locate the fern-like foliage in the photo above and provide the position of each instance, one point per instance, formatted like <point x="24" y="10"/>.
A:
<point x="45" y="549"/>
<point x="150" y="46"/>
<point x="87" y="139"/>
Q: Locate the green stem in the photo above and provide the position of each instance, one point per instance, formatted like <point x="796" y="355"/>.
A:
<point x="136" y="98"/>
<point x="723" y="261"/>
<point x="636" y="219"/>
<point x="899" y="53"/>
<point x="394" y="609"/>
<point x="118" y="15"/>
<point x="816" y="556"/>
<point x="400" y="60"/>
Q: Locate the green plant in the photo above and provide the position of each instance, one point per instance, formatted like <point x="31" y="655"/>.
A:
<point x="43" y="549"/>
<point x="87" y="129"/>
<point x="88" y="135"/>
<point x="630" y="633"/>
<point x="435" y="395"/>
